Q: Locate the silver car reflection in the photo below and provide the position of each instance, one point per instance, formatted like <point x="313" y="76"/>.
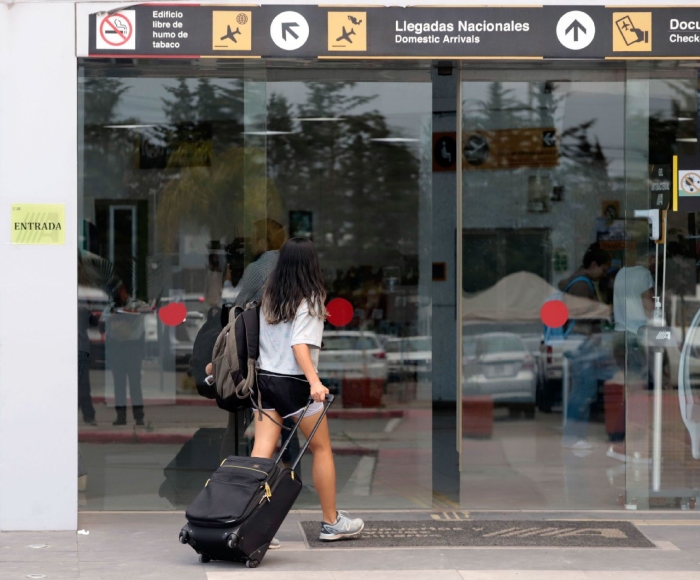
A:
<point x="499" y="365"/>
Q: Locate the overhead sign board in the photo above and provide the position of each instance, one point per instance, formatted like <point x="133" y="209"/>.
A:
<point x="273" y="31"/>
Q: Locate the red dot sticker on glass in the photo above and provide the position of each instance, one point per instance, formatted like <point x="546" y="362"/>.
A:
<point x="554" y="313"/>
<point x="173" y="314"/>
<point x="340" y="312"/>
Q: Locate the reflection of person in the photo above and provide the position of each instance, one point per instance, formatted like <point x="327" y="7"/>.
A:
<point x="633" y="305"/>
<point x="291" y="329"/>
<point x="588" y="362"/>
<point x="268" y="237"/>
<point x="85" y="319"/>
<point x="125" y="344"/>
<point x="215" y="278"/>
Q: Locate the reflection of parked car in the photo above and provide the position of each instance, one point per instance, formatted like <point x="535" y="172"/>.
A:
<point x="499" y="365"/>
<point x="176" y="342"/>
<point x="409" y="356"/>
<point x="351" y="355"/>
<point x="96" y="301"/>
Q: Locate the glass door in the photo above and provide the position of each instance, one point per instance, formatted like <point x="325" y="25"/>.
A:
<point x="543" y="174"/>
<point x="349" y="164"/>
<point x="659" y="450"/>
<point x="189" y="173"/>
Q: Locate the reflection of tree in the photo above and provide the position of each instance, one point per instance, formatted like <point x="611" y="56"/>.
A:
<point x="212" y="197"/>
<point x="212" y="166"/>
<point x="364" y="193"/>
<point x="102" y="147"/>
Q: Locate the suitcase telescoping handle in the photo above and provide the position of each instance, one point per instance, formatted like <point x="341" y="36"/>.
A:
<point x="326" y="405"/>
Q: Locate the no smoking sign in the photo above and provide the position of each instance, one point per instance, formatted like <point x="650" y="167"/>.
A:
<point x="116" y="31"/>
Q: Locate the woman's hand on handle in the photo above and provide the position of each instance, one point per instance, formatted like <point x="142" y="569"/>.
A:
<point x="319" y="392"/>
<point x="303" y="355"/>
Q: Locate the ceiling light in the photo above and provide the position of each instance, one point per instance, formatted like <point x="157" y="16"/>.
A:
<point x="320" y="119"/>
<point x="688" y="140"/>
<point x="267" y="133"/>
<point x="129" y="126"/>
<point x="395" y="140"/>
<point x="686" y="118"/>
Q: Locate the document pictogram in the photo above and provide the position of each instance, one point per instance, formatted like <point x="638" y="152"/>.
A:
<point x="116" y="31"/>
<point x="232" y="30"/>
<point x="631" y="31"/>
<point x="347" y="31"/>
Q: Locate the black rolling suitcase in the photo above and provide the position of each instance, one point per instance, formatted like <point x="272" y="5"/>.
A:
<point x="243" y="505"/>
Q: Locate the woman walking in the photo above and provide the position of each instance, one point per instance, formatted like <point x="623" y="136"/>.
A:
<point x="291" y="330"/>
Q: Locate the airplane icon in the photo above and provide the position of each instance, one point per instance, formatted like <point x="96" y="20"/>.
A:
<point x="346" y="35"/>
<point x="231" y="35"/>
<point x="626" y="25"/>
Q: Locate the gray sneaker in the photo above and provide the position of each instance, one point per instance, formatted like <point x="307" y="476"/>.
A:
<point x="274" y="544"/>
<point x="343" y="527"/>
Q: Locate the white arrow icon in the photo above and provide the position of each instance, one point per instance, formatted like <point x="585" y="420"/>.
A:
<point x="575" y="30"/>
<point x="289" y="30"/>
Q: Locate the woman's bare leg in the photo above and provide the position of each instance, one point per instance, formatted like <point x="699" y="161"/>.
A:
<point x="267" y="434"/>
<point x="323" y="470"/>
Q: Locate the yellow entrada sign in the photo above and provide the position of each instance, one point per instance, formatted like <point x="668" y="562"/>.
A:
<point x="38" y="224"/>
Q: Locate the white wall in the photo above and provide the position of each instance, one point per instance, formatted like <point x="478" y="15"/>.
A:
<point x="38" y="290"/>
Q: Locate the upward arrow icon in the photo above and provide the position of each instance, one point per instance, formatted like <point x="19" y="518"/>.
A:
<point x="576" y="26"/>
<point x="575" y="30"/>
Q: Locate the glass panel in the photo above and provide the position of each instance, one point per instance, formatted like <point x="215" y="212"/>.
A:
<point x="189" y="174"/>
<point x="172" y="177"/>
<point x="543" y="194"/>
<point x="351" y="169"/>
<point x="661" y="395"/>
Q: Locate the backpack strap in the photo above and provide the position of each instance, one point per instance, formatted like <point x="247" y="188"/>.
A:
<point x="580" y="279"/>
<point x="586" y="279"/>
<point x="251" y="323"/>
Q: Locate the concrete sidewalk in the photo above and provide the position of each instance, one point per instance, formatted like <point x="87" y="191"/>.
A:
<point x="136" y="546"/>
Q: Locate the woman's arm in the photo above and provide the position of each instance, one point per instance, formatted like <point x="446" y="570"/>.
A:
<point x="303" y="356"/>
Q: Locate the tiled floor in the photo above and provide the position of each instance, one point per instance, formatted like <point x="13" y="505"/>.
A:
<point x="126" y="546"/>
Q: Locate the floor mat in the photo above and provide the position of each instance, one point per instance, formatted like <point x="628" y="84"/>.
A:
<point x="562" y="534"/>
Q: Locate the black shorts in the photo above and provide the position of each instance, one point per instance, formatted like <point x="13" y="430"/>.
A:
<point x="286" y="394"/>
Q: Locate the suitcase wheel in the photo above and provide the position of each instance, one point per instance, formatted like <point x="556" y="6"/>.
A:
<point x="184" y="537"/>
<point x="204" y="559"/>
<point x="232" y="541"/>
<point x="251" y="563"/>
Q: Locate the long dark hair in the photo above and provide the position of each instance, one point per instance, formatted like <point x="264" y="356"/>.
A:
<point x="297" y="277"/>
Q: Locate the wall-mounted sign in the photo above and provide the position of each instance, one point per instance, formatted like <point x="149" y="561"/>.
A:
<point x="445" y="151"/>
<point x="686" y="183"/>
<point x="38" y="224"/>
<point x="200" y="31"/>
<point x="659" y="186"/>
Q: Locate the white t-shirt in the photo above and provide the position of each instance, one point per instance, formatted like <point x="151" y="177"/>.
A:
<point x="276" y="341"/>
<point x="630" y="284"/>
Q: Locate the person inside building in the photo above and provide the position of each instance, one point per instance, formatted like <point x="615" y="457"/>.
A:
<point x="633" y="305"/>
<point x="588" y="363"/>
